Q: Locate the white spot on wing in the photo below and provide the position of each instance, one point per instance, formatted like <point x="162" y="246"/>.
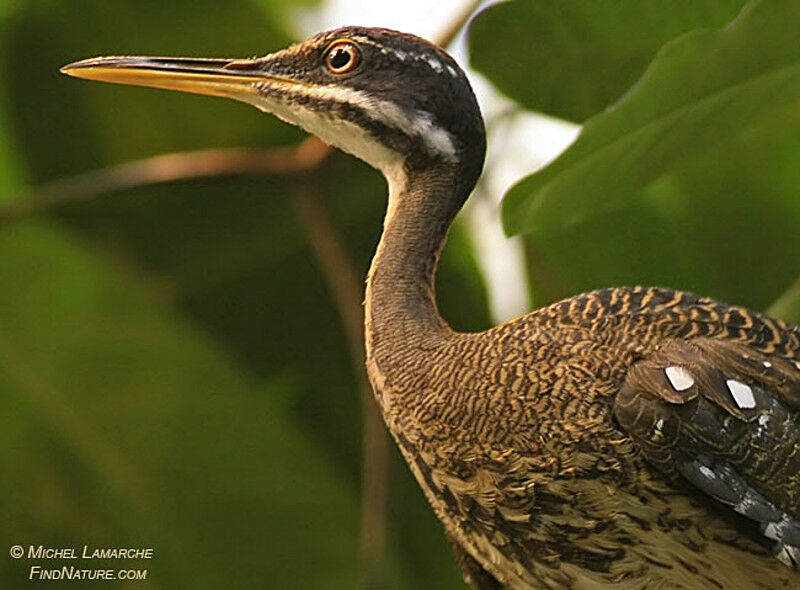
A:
<point x="742" y="394"/>
<point x="679" y="378"/>
<point x="707" y="472"/>
<point x="767" y="364"/>
<point x="771" y="531"/>
<point x="744" y="506"/>
<point x="658" y="432"/>
<point x="788" y="556"/>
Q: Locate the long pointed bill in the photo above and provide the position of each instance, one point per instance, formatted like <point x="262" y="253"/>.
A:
<point x="231" y="78"/>
<point x="297" y="101"/>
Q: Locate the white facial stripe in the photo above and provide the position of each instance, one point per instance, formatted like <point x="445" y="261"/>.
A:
<point x="344" y="135"/>
<point x="419" y="124"/>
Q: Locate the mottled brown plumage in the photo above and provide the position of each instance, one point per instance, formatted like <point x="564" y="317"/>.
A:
<point x="630" y="438"/>
<point x="516" y="443"/>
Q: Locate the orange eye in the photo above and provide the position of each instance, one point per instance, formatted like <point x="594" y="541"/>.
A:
<point x="342" y="57"/>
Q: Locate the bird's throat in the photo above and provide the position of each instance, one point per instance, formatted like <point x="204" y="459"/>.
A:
<point x="400" y="307"/>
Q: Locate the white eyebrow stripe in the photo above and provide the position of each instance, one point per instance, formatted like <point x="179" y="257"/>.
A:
<point x="434" y="63"/>
<point x="362" y="39"/>
<point x="431" y="58"/>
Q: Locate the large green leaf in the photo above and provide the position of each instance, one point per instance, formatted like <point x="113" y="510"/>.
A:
<point x="573" y="58"/>
<point x="700" y="91"/>
<point x="124" y="426"/>
<point x="723" y="224"/>
<point x="10" y="172"/>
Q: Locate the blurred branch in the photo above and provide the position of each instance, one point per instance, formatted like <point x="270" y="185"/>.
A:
<point x="345" y="285"/>
<point x="166" y="168"/>
<point x="446" y="37"/>
<point x="787" y="306"/>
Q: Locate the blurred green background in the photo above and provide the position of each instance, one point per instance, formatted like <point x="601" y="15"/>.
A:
<point x="175" y="372"/>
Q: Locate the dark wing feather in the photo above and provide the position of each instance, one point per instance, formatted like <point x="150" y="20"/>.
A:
<point x="727" y="418"/>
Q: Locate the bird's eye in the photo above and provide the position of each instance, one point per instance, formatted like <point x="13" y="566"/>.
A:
<point x="342" y="57"/>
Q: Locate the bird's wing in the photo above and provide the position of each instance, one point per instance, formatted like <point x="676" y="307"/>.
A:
<point x="726" y="417"/>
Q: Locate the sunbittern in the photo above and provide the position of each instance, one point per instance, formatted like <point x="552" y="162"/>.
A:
<point x="626" y="438"/>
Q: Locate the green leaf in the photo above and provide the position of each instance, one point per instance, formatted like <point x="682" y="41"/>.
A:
<point x="787" y="306"/>
<point x="700" y="91"/>
<point x="124" y="426"/>
<point x="573" y="58"/>
<point x="724" y="224"/>
<point x="10" y="173"/>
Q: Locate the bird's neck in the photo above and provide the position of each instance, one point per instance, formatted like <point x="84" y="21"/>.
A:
<point x="400" y="308"/>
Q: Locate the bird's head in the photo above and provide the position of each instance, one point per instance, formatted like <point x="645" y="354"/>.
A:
<point x="392" y="99"/>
